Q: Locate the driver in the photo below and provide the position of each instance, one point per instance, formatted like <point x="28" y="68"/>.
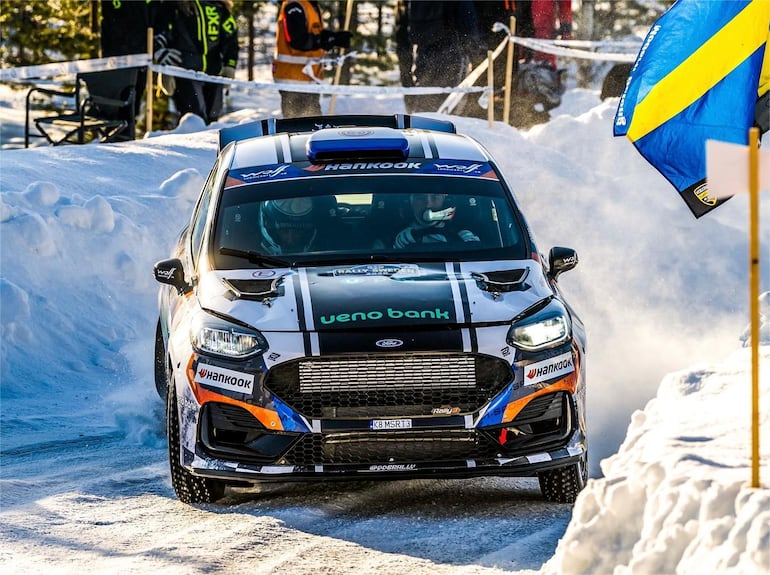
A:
<point x="287" y="225"/>
<point x="433" y="222"/>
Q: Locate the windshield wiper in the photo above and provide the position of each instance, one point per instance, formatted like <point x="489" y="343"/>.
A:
<point x="255" y="257"/>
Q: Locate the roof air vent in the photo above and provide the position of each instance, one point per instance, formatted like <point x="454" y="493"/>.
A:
<point x="356" y="143"/>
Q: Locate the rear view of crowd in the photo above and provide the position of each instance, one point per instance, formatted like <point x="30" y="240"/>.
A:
<point x="200" y="35"/>
<point x="438" y="44"/>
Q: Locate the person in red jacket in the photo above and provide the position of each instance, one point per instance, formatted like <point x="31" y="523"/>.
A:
<point x="551" y="19"/>
<point x="301" y="40"/>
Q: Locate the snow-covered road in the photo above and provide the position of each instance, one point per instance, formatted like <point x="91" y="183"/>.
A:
<point x="104" y="505"/>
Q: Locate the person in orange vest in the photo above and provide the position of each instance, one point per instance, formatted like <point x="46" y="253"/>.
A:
<point x="301" y="40"/>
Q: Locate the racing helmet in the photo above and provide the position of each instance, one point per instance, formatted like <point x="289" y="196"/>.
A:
<point x="431" y="209"/>
<point x="287" y="225"/>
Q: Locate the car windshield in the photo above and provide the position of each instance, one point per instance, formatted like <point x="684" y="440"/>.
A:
<point x="366" y="218"/>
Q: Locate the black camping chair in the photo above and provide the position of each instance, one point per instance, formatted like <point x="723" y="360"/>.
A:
<point x="103" y="110"/>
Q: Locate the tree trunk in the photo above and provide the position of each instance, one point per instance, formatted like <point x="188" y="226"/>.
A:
<point x="585" y="67"/>
<point x="250" y="48"/>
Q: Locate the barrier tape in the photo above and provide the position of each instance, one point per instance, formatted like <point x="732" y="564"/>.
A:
<point x="551" y="47"/>
<point x="72" y="67"/>
<point x="308" y="87"/>
<point x="565" y="48"/>
<point x="586" y="44"/>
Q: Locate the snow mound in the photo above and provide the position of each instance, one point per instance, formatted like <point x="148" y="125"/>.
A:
<point x="676" y="498"/>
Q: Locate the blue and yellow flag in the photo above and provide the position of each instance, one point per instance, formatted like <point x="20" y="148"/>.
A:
<point x="696" y="77"/>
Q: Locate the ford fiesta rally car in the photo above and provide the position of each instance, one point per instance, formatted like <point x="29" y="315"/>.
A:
<point x="359" y="297"/>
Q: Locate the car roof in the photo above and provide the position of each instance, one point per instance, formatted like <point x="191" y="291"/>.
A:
<point x="374" y="139"/>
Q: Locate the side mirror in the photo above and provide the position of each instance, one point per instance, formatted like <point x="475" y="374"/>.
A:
<point x="561" y="260"/>
<point x="171" y="272"/>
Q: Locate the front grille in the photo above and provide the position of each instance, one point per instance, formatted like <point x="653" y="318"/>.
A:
<point x="389" y="447"/>
<point x="385" y="373"/>
<point x="371" y="386"/>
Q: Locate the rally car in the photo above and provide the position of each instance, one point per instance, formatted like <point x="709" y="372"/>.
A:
<point x="360" y="297"/>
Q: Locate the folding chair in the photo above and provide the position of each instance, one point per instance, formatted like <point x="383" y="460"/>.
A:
<point x="103" y="110"/>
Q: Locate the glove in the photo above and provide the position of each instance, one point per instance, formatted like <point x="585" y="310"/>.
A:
<point x="404" y="238"/>
<point x="468" y="236"/>
<point x="227" y="72"/>
<point x="330" y="39"/>
<point x="159" y="41"/>
<point x="565" y="30"/>
<point x="167" y="57"/>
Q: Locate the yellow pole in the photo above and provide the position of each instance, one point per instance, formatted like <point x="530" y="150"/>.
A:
<point x="754" y="298"/>
<point x="508" y="74"/>
<point x="338" y="71"/>
<point x="148" y="95"/>
<point x="491" y="88"/>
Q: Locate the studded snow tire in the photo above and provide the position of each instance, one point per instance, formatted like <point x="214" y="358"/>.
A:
<point x="562" y="485"/>
<point x="189" y="488"/>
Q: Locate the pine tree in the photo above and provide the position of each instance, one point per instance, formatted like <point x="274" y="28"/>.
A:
<point x="41" y="31"/>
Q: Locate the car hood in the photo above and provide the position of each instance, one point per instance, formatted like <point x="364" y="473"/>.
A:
<point x="375" y="296"/>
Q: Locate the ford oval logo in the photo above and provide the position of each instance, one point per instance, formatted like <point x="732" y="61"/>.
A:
<point x="389" y="343"/>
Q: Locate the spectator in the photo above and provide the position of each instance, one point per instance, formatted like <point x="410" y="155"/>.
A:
<point x="445" y="39"/>
<point x="301" y="41"/>
<point x="123" y="30"/>
<point x="488" y="13"/>
<point x="201" y="35"/>
<point x="404" y="50"/>
<point x="551" y="19"/>
<point x="537" y="86"/>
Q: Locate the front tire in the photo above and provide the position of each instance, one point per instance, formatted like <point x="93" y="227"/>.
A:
<point x="562" y="485"/>
<point x="189" y="488"/>
<point x="161" y="371"/>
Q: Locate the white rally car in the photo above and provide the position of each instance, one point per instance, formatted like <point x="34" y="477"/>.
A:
<point x="360" y="297"/>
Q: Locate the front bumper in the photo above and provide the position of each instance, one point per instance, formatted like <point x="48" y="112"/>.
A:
<point x="231" y="444"/>
<point x="300" y="427"/>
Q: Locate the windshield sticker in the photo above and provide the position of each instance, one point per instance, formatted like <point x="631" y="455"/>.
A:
<point x="369" y="166"/>
<point x="262" y="174"/>
<point x="376" y="270"/>
<point x="276" y="172"/>
<point x="459" y="168"/>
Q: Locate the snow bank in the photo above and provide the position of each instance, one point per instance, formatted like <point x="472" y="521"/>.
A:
<point x="676" y="496"/>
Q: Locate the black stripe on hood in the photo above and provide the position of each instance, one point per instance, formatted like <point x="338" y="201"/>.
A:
<point x="416" y="297"/>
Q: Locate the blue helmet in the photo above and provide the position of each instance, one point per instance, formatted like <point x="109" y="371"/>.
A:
<point x="287" y="225"/>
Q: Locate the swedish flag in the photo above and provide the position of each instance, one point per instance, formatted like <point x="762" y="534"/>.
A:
<point x="696" y="77"/>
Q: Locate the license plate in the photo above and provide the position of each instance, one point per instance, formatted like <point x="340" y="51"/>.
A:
<point x="391" y="424"/>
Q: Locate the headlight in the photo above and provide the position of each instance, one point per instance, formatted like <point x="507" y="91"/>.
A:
<point x="546" y="328"/>
<point x="212" y="335"/>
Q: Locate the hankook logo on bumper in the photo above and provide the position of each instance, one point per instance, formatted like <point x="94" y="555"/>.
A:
<point x="548" y="369"/>
<point x="222" y="378"/>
